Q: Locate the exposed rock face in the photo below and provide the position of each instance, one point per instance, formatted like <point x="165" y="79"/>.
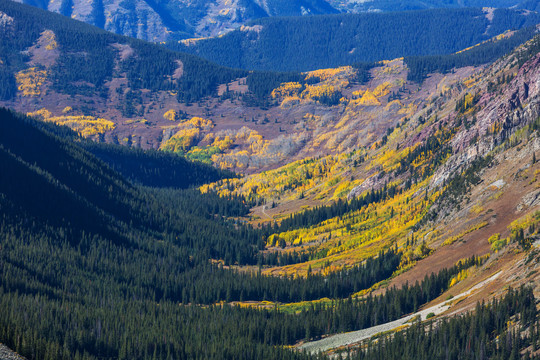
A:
<point x="370" y="184"/>
<point x="140" y="21"/>
<point x="6" y="22"/>
<point x="7" y="354"/>
<point x="517" y="105"/>
<point x="530" y="200"/>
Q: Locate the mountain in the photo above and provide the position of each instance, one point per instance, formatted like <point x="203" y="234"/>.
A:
<point x="79" y="57"/>
<point x="309" y="43"/>
<point x="386" y="210"/>
<point x="435" y="209"/>
<point x="69" y="219"/>
<point x="166" y="20"/>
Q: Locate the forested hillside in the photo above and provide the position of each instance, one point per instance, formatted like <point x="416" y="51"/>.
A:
<point x="301" y="44"/>
<point x="483" y="53"/>
<point x="155" y="168"/>
<point x="83" y="59"/>
<point x="127" y="92"/>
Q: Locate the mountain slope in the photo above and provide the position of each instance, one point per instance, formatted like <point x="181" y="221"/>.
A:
<point x="302" y="44"/>
<point x="460" y="164"/>
<point x="74" y="233"/>
<point x="127" y="92"/>
<point x="457" y="178"/>
<point x="143" y="267"/>
<point x="77" y="57"/>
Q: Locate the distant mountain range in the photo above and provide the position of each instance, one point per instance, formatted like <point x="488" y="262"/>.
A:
<point x="167" y="20"/>
<point x="160" y="20"/>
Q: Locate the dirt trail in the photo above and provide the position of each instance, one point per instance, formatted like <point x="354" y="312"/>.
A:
<point x="343" y="339"/>
<point x="265" y="213"/>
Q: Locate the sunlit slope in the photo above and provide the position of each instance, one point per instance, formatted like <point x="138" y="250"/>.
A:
<point x="455" y="178"/>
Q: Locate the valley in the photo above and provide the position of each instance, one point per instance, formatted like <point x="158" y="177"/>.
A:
<point x="154" y="204"/>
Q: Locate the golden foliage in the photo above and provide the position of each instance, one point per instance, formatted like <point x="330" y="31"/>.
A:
<point x="223" y="144"/>
<point x="312" y="118"/>
<point x="325" y="74"/>
<point x="251" y="148"/>
<point x="494" y="237"/>
<point x="351" y="238"/>
<point x="182" y="141"/>
<point x="455" y="238"/>
<point x="368" y="99"/>
<point x="41" y="114"/>
<point x="84" y="125"/>
<point x="382" y="90"/>
<point x="389" y="159"/>
<point x="525" y="222"/>
<point x="357" y="94"/>
<point x="408" y="110"/>
<point x="477" y="209"/>
<point x="343" y="189"/>
<point x="496" y="242"/>
<point x="50" y="38"/>
<point x="390" y="67"/>
<point x="29" y="81"/>
<point x="188" y="134"/>
<point x="462" y="275"/>
<point x="289" y="89"/>
<point x="289" y="101"/>
<point x="171" y="115"/>
<point x="318" y="91"/>
<point x="197" y="122"/>
<point x="471" y="81"/>
<point x="292" y="181"/>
